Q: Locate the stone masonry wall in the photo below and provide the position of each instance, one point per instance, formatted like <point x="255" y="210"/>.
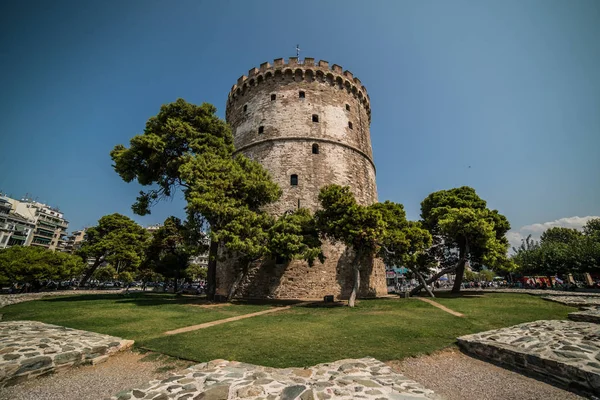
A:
<point x="271" y="112"/>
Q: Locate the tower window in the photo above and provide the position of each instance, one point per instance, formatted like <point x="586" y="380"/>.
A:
<point x="245" y="107"/>
<point x="301" y="94"/>
<point x="315" y="118"/>
<point x="273" y="97"/>
<point x="315" y="148"/>
<point x="294" y="180"/>
<point x="349" y="124"/>
<point x="261" y="129"/>
<point x="347" y="107"/>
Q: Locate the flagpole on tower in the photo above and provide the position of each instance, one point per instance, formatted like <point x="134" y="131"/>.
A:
<point x="298" y="51"/>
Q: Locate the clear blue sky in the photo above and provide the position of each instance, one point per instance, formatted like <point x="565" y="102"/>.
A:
<point x="509" y="88"/>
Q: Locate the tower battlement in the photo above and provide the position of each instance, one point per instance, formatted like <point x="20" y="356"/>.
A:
<point x="302" y="70"/>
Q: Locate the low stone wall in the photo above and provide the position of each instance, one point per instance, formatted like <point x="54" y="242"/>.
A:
<point x="535" y="292"/>
<point x="9" y="299"/>
<point x="365" y="378"/>
<point x="588" y="315"/>
<point x="579" y="301"/>
<point x="565" y="353"/>
<point x="29" y="349"/>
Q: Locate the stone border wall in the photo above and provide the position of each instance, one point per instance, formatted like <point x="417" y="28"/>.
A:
<point x="29" y="349"/>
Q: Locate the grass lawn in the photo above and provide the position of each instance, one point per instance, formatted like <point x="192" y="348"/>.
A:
<point x="386" y="329"/>
<point x="139" y="316"/>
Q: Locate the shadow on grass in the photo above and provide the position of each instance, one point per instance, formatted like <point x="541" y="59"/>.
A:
<point x="139" y="299"/>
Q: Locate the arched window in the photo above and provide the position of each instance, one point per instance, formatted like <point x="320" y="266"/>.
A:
<point x="301" y="94"/>
<point x="349" y="124"/>
<point x="347" y="107"/>
<point x="294" y="180"/>
<point x="273" y="97"/>
<point x="261" y="129"/>
<point x="315" y="148"/>
<point x="245" y="107"/>
<point x="315" y="118"/>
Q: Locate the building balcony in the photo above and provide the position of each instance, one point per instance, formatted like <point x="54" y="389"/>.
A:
<point x="44" y="233"/>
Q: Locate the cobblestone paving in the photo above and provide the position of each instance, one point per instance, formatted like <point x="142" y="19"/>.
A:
<point x="575" y="301"/>
<point x="9" y="299"/>
<point x="591" y="314"/>
<point x="564" y="352"/>
<point x="365" y="378"/>
<point x="29" y="349"/>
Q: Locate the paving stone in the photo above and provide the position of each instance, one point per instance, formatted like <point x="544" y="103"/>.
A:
<point x="575" y="301"/>
<point x="30" y="349"/>
<point x="366" y="378"/>
<point x="554" y="350"/>
<point x="591" y="314"/>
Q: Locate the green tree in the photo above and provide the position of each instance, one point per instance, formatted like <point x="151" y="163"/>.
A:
<point x="341" y="219"/>
<point x="106" y="273"/>
<point x="464" y="229"/>
<point x="170" y="250"/>
<point x="195" y="272"/>
<point x="33" y="265"/>
<point x="404" y="242"/>
<point x="559" y="234"/>
<point x="116" y="239"/>
<point x="187" y="147"/>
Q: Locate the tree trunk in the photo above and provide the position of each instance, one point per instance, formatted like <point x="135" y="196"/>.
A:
<point x="239" y="278"/>
<point x="435" y="277"/>
<point x="422" y="280"/>
<point x="211" y="275"/>
<point x="356" y="285"/>
<point x="460" y="269"/>
<point x="90" y="271"/>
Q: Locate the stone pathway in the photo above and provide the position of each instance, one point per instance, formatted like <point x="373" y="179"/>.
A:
<point x="29" y="349"/>
<point x="441" y="307"/>
<point x="575" y="301"/>
<point x="365" y="378"/>
<point x="537" y="292"/>
<point x="9" y="299"/>
<point x="566" y="353"/>
<point x="587" y="315"/>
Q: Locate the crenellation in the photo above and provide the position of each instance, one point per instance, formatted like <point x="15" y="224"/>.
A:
<point x="307" y="71"/>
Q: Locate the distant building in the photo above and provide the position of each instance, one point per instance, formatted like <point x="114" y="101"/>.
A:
<point x="74" y="241"/>
<point x="50" y="225"/>
<point x="14" y="229"/>
<point x="153" y="228"/>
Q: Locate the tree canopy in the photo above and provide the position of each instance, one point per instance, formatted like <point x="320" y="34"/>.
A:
<point x="116" y="239"/>
<point x="561" y="250"/>
<point x="187" y="147"/>
<point x="464" y="229"/>
<point x="19" y="264"/>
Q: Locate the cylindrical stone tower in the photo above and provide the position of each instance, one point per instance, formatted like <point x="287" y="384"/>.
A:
<point x="308" y="124"/>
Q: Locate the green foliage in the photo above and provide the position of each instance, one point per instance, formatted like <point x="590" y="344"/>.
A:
<point x="125" y="277"/>
<point x="463" y="229"/>
<point x="195" y="272"/>
<point x="294" y="235"/>
<point x="558" y="234"/>
<point x="107" y="273"/>
<point x="342" y="219"/>
<point x="116" y="239"/>
<point x="170" y="249"/>
<point x="31" y="264"/>
<point x="561" y="251"/>
<point x="187" y="147"/>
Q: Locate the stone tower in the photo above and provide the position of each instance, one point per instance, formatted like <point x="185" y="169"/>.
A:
<point x="308" y="124"/>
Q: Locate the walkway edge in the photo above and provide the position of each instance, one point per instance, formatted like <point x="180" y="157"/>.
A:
<point x="441" y="307"/>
